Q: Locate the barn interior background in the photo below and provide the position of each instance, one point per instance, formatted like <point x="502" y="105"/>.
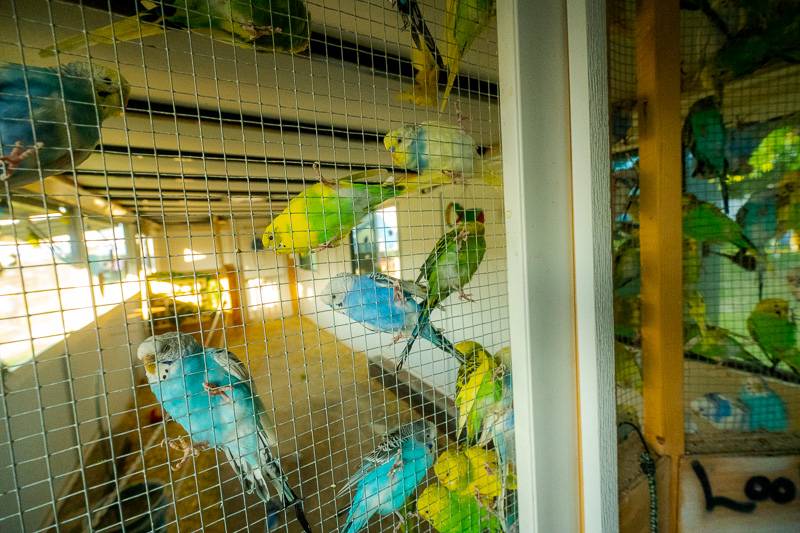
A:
<point x="157" y="226"/>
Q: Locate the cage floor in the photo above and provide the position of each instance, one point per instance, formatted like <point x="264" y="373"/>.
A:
<point x="320" y="392"/>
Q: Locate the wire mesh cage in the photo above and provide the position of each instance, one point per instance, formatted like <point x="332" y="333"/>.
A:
<point x="221" y="221"/>
<point x="739" y="118"/>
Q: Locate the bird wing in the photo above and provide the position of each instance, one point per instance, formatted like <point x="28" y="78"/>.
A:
<point x="389" y="450"/>
<point x="441" y="248"/>
<point x="230" y="363"/>
<point x="410" y="287"/>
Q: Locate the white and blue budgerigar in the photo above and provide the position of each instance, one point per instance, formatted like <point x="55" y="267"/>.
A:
<point x="432" y="147"/>
<point x="390" y="474"/>
<point x="383" y="303"/>
<point x="721" y="412"/>
<point x="208" y="391"/>
<point x="767" y="409"/>
<point x="50" y="117"/>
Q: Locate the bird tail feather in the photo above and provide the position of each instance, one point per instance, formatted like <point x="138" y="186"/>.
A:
<point x="128" y="29"/>
<point x="435" y="337"/>
<point x="424" y="318"/>
<point x="451" y="78"/>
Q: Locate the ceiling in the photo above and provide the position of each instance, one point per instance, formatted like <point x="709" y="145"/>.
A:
<point x="217" y="131"/>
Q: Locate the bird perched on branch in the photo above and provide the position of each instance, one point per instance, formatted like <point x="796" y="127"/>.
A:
<point x="325" y="213"/>
<point x="383" y="303"/>
<point x="449" y="267"/>
<point x="51" y="117"/>
<point x="267" y="25"/>
<point x="772" y="326"/>
<point x="464" y="21"/>
<point x="441" y="152"/>
<point x="208" y="392"/>
<point x="390" y="474"/>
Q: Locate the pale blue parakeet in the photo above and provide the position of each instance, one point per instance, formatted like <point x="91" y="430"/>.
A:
<point x="385" y="304"/>
<point x="390" y="473"/>
<point x="50" y="117"/>
<point x="434" y="149"/>
<point x="721" y="412"/>
<point x="209" y="393"/>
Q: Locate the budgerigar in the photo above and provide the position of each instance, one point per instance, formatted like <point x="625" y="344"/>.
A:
<point x="478" y="385"/>
<point x="772" y="326"/>
<point x="50" y="118"/>
<point x="390" y="474"/>
<point x="704" y="136"/>
<point x="438" y="151"/>
<point x="455" y="212"/>
<point x="449" y="267"/>
<point x="464" y="21"/>
<point x="425" y="55"/>
<point x="722" y="412"/>
<point x="264" y="24"/>
<point x="767" y="409"/>
<point x="450" y="512"/>
<point x="208" y="392"/>
<point x="326" y="212"/>
<point x="473" y="471"/>
<point x="704" y="222"/>
<point x="383" y="303"/>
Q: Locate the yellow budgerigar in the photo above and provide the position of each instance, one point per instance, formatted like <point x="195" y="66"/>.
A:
<point x="473" y="471"/>
<point x="478" y="386"/>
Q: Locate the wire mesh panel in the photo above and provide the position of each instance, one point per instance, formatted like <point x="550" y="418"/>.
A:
<point x="740" y="129"/>
<point x="223" y="225"/>
<point x="739" y="97"/>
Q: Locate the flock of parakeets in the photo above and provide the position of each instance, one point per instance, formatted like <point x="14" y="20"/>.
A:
<point x="754" y="170"/>
<point x="51" y="123"/>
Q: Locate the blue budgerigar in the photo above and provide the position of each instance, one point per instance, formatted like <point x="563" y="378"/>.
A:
<point x="721" y="412"/>
<point x="390" y="473"/>
<point x="383" y="303"/>
<point x="208" y="391"/>
<point x="50" y="118"/>
<point x="767" y="409"/>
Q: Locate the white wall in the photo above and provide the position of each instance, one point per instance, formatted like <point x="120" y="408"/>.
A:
<point x="421" y="223"/>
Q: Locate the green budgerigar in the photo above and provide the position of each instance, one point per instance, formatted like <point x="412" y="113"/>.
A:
<point x="706" y="223"/>
<point x="449" y="267"/>
<point x="326" y="212"/>
<point x="464" y="21"/>
<point x="478" y="387"/>
<point x="772" y="326"/>
<point x="704" y="137"/>
<point x="264" y="24"/>
<point x="450" y="512"/>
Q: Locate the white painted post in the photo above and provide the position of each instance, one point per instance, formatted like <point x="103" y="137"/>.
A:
<point x="555" y="144"/>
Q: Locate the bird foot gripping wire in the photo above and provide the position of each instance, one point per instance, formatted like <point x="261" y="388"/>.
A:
<point x="18" y="154"/>
<point x="214" y="390"/>
<point x="317" y="166"/>
<point x="466" y="296"/>
<point x="185" y="446"/>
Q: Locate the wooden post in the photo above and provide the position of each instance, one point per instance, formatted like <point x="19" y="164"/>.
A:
<point x="291" y="277"/>
<point x="658" y="72"/>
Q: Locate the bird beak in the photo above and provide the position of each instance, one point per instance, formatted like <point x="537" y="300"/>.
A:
<point x="149" y="361"/>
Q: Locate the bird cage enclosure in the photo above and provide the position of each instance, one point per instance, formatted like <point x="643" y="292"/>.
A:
<point x="716" y="114"/>
<point x="285" y="194"/>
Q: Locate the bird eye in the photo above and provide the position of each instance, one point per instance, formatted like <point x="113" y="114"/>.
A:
<point x="103" y="94"/>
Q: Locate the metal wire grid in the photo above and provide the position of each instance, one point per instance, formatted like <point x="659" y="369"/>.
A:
<point x="213" y="143"/>
<point x="740" y="160"/>
<point x="625" y="183"/>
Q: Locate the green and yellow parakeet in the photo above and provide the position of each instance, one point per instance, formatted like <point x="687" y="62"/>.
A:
<point x="264" y="24"/>
<point x="449" y="512"/>
<point x="472" y="471"/>
<point x="706" y="340"/>
<point x="704" y="222"/>
<point x="478" y="387"/>
<point x="425" y="56"/>
<point x="449" y="267"/>
<point x="464" y="21"/>
<point x="326" y="212"/>
<point x="772" y="327"/>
